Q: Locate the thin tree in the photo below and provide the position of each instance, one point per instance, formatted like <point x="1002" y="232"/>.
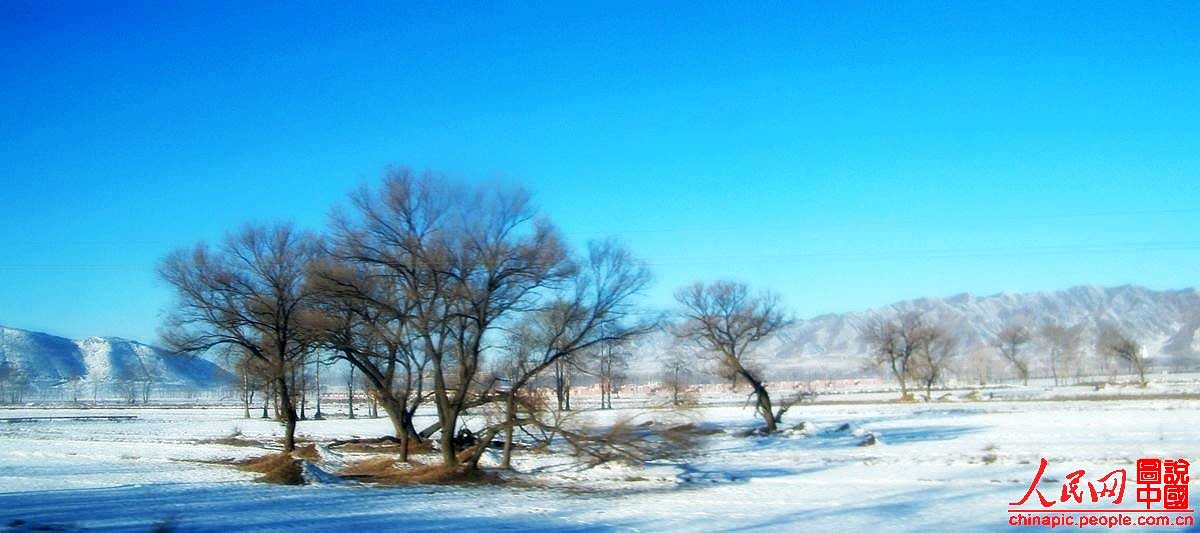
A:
<point x="249" y="293"/>
<point x="676" y="370"/>
<point x="725" y="319"/>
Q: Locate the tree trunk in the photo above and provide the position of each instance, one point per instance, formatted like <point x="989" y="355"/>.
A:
<point x="289" y="414"/>
<point x="246" y="396"/>
<point x="446" y="440"/>
<point x="317" y="377"/>
<point x="764" y="404"/>
<point x="510" y="409"/>
<point x="350" y="393"/>
<point x="303" y="393"/>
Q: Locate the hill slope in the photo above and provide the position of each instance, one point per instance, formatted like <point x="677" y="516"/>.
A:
<point x="48" y="359"/>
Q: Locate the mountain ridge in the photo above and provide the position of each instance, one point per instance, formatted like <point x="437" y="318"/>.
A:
<point x="1166" y="322"/>
<point x="46" y="358"/>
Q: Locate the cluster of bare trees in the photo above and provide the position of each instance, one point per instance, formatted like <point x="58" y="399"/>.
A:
<point x="914" y="349"/>
<point x="412" y="285"/>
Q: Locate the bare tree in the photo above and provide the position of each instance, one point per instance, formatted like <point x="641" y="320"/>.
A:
<point x="564" y="373"/>
<point x="894" y="342"/>
<point x="610" y="364"/>
<point x="936" y="348"/>
<point x="249" y="293"/>
<point x="467" y="260"/>
<point x="1061" y="345"/>
<point x="676" y="370"/>
<point x="592" y="310"/>
<point x="364" y="319"/>
<point x="726" y="320"/>
<point x="1117" y="345"/>
<point x="1011" y="341"/>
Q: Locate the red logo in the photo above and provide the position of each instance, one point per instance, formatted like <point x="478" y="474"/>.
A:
<point x="1161" y="484"/>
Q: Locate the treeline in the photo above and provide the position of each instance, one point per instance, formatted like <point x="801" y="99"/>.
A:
<point x="918" y="350"/>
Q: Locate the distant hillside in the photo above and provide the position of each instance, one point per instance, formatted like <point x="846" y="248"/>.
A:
<point x="1165" y="322"/>
<point x="49" y="359"/>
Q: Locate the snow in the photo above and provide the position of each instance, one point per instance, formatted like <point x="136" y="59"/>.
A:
<point x="943" y="465"/>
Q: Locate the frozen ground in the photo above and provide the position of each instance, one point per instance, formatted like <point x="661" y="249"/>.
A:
<point x="951" y="465"/>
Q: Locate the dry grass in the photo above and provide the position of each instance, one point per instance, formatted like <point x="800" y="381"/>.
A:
<point x="389" y="470"/>
<point x="386" y="446"/>
<point x="308" y="451"/>
<point x="278" y="468"/>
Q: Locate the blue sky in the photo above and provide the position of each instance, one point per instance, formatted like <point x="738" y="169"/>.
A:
<point x="844" y="154"/>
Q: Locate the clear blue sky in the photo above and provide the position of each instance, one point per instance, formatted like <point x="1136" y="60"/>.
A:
<point x="844" y="154"/>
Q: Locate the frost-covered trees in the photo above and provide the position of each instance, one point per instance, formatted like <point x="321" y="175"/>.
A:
<point x="249" y="292"/>
<point x="726" y="320"/>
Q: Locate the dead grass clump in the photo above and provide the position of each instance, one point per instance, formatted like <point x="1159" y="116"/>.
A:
<point x="308" y="451"/>
<point x="375" y="467"/>
<point x="391" y="446"/>
<point x="389" y="471"/>
<point x="278" y="468"/>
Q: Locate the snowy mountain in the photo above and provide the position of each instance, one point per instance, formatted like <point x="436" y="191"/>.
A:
<point x="1167" y="323"/>
<point x="50" y="359"/>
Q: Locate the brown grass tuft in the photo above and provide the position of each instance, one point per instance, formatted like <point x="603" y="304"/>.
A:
<point x="278" y="468"/>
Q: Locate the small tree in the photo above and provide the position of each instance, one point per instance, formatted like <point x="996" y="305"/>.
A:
<point x="894" y="342"/>
<point x="1011" y="341"/>
<point x="610" y="364"/>
<point x="1116" y="344"/>
<point x="676" y="369"/>
<point x="726" y="320"/>
<point x="936" y="349"/>
<point x="1061" y="345"/>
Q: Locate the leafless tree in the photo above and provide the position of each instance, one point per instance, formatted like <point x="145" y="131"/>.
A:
<point x="564" y="374"/>
<point x="894" y="342"/>
<point x="593" y="309"/>
<point x="1061" y="345"/>
<point x="936" y="348"/>
<point x="466" y="259"/>
<point x="676" y="370"/>
<point x="1011" y="341"/>
<point x="726" y="320"/>
<point x="250" y="293"/>
<point x="609" y="368"/>
<point x="363" y="318"/>
<point x="1117" y="345"/>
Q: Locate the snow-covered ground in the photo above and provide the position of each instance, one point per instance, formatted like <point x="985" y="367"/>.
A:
<point x="950" y="465"/>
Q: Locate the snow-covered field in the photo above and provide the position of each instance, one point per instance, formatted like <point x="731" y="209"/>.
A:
<point x="951" y="465"/>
